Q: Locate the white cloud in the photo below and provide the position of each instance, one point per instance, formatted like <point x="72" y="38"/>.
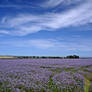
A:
<point x="54" y="3"/>
<point x="51" y="3"/>
<point x="52" y="44"/>
<point x="69" y="45"/>
<point x="16" y="6"/>
<point x="3" y="20"/>
<point x="24" y="24"/>
<point x="43" y="44"/>
<point x="4" y="32"/>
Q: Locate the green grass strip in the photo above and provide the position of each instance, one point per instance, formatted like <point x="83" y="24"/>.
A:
<point x="87" y="85"/>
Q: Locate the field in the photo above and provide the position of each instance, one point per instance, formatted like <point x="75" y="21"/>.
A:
<point x="45" y="75"/>
<point x="6" y="57"/>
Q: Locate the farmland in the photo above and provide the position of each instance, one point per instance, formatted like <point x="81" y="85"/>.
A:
<point x="45" y="75"/>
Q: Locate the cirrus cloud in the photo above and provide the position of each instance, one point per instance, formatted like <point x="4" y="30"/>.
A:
<point x="23" y="24"/>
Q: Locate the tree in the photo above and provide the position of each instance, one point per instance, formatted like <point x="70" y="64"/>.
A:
<point x="72" y="56"/>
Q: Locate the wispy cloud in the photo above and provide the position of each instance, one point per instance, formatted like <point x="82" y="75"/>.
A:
<point x="55" y="3"/>
<point x="52" y="44"/>
<point x="4" y="32"/>
<point x="24" y="24"/>
<point x="43" y="43"/>
<point x="16" y="6"/>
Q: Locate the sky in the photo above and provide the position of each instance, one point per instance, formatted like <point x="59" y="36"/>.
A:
<point x="46" y="27"/>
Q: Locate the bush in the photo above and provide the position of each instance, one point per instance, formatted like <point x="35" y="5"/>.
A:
<point x="72" y="56"/>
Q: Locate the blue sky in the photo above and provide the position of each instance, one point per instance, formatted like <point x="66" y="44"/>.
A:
<point x="46" y="27"/>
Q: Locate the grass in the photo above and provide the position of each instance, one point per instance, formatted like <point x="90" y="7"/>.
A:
<point x="87" y="85"/>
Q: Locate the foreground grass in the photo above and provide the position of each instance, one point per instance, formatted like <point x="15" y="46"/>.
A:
<point x="87" y="85"/>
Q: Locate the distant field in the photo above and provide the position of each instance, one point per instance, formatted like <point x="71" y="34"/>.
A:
<point x="45" y="75"/>
<point x="6" y="57"/>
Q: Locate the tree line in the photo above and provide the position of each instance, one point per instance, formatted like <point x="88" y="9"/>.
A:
<point x="48" y="57"/>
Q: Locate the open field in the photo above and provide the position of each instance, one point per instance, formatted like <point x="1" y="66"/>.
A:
<point x="6" y="57"/>
<point x="45" y="75"/>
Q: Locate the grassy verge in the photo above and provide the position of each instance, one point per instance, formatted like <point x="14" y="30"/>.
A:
<point x="87" y="85"/>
